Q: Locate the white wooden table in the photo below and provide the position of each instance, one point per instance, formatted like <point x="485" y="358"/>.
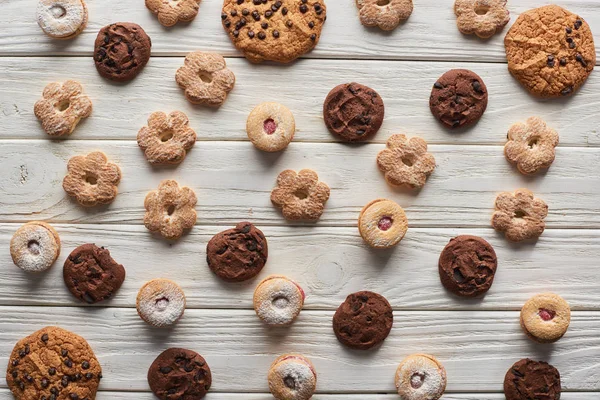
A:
<point x="477" y="340"/>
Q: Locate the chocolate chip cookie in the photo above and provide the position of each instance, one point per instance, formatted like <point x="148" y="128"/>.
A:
<point x="91" y="274"/>
<point x="53" y="363"/>
<point x="237" y="254"/>
<point x="353" y="112"/>
<point x="363" y="321"/>
<point x="276" y="30"/>
<point x="121" y="51"/>
<point x="179" y="374"/>
<point x="550" y="51"/>
<point x="528" y="379"/>
<point x="459" y="98"/>
<point x="467" y="266"/>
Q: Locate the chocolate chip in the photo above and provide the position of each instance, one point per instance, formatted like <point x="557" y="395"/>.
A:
<point x="45" y="338"/>
<point x="438" y="85"/>
<point x="550" y="61"/>
<point x="563" y="61"/>
<point x="68" y="363"/>
<point x="64" y="381"/>
<point x="572" y="45"/>
<point x="21" y="385"/>
<point x="236" y="33"/>
<point x="274" y="8"/>
<point x="275" y="34"/>
<point x="52" y="371"/>
<point x="311" y="24"/>
<point x="45" y="383"/>
<point x="268" y="14"/>
<point x="89" y="375"/>
<point x="578" y="24"/>
<point x="477" y="87"/>
<point x="262" y="35"/>
<point x="245" y="11"/>
<point x="250" y="34"/>
<point x="74" y="396"/>
<point x="85" y="365"/>
<point x="289" y="23"/>
<point x="569" y="40"/>
<point x="26" y="349"/>
<point x="313" y="37"/>
<point x="100" y="375"/>
<point x="54" y="391"/>
<point x="264" y="25"/>
<point x="15" y="374"/>
<point x="233" y="13"/>
<point x="256" y="2"/>
<point x="318" y="9"/>
<point x="227" y="23"/>
<point x="569" y="30"/>
<point x="580" y="60"/>
<point x="15" y="363"/>
<point x="240" y="2"/>
<point x="566" y="91"/>
<point x="256" y="15"/>
<point x="223" y="16"/>
<point x="29" y="378"/>
<point x="64" y="352"/>
<point x="165" y="370"/>
<point x="303" y="8"/>
<point x="284" y="11"/>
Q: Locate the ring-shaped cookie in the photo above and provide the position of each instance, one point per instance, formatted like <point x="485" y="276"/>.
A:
<point x="278" y="300"/>
<point x="62" y="19"/>
<point x="160" y="302"/>
<point x="270" y="127"/>
<point x="382" y="224"/>
<point x="545" y="317"/>
<point x="35" y="247"/>
<point x="420" y="377"/>
<point x="292" y="377"/>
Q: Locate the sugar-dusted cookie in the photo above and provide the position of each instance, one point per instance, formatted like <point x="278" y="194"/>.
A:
<point x="382" y="223"/>
<point x="280" y="30"/>
<point x="545" y="317"/>
<point x="170" y="210"/>
<point x="278" y="300"/>
<point x="519" y="215"/>
<point x="270" y="127"/>
<point x="292" y="377"/>
<point x="53" y="363"/>
<point x="384" y="14"/>
<point x="62" y="19"/>
<point x="406" y="162"/>
<point x="550" y="51"/>
<point x="531" y="145"/>
<point x="483" y="18"/>
<point x="205" y="78"/>
<point x="160" y="302"/>
<point x="179" y="374"/>
<point x="167" y="138"/>
<point x="170" y="12"/>
<point x="527" y="379"/>
<point x="301" y="196"/>
<point x="353" y="112"/>
<point x="62" y="107"/>
<point x="420" y="377"/>
<point x="92" y="179"/>
<point x="35" y="246"/>
<point x="121" y="51"/>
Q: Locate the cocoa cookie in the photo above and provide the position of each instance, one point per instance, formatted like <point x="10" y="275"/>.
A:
<point x="281" y="30"/>
<point x="91" y="274"/>
<point x="459" y="98"/>
<point x="121" y="51"/>
<point x="237" y="254"/>
<point x="364" y="320"/>
<point x="528" y="379"/>
<point x="53" y="363"/>
<point x="550" y="51"/>
<point x="467" y="266"/>
<point x="353" y="112"/>
<point x="179" y="374"/>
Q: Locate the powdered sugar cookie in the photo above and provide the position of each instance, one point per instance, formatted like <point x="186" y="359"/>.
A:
<point x="382" y="224"/>
<point x="270" y="127"/>
<point x="278" y="300"/>
<point x="167" y="138"/>
<point x="545" y="317"/>
<point x="160" y="302"/>
<point x="92" y="179"/>
<point x="170" y="12"/>
<point x="420" y="377"/>
<point x="170" y="210"/>
<point x="62" y="19"/>
<point x="205" y="78"/>
<point x="300" y="195"/>
<point x="292" y="377"/>
<point x="519" y="215"/>
<point x="406" y="162"/>
<point x="531" y="145"/>
<point x="385" y="14"/>
<point x="35" y="246"/>
<point x="484" y="18"/>
<point x="62" y="107"/>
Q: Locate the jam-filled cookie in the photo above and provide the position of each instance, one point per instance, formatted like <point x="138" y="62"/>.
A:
<point x="382" y="223"/>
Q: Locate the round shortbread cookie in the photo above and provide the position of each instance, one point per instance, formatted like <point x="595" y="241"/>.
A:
<point x="420" y="377"/>
<point x="35" y="247"/>
<point x="62" y="19"/>
<point x="545" y="317"/>
<point x="160" y="302"/>
<point x="382" y="224"/>
<point x="292" y="377"/>
<point x="270" y="127"/>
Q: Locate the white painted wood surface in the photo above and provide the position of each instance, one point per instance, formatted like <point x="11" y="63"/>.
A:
<point x="477" y="340"/>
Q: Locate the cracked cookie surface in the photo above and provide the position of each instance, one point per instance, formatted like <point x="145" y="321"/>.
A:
<point x="179" y="374"/>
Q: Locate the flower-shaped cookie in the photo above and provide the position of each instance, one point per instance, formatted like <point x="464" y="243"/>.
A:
<point x="300" y="195"/>
<point x="385" y="14"/>
<point x="92" y="179"/>
<point x="170" y="209"/>
<point x="406" y="161"/>
<point x="484" y="18"/>
<point x="205" y="78"/>
<point x="531" y="145"/>
<point x="172" y="11"/>
<point x="167" y="138"/>
<point x="519" y="215"/>
<point x="61" y="107"/>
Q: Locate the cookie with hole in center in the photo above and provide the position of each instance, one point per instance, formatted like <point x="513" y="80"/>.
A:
<point x="420" y="377"/>
<point x="280" y="30"/>
<point x="62" y="19"/>
<point x="529" y="379"/>
<point x="179" y="374"/>
<point x="35" y="246"/>
<point x="292" y="377"/>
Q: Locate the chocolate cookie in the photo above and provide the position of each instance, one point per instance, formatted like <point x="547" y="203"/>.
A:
<point x="237" y="254"/>
<point x="121" y="51"/>
<point x="550" y="51"/>
<point x="467" y="266"/>
<point x="53" y="363"/>
<point x="280" y="30"/>
<point x="353" y="111"/>
<point x="528" y="379"/>
<point x="91" y="274"/>
<point x="179" y="374"/>
<point x="364" y="320"/>
<point x="459" y="98"/>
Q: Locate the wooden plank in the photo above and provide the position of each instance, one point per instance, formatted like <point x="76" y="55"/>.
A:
<point x="233" y="182"/>
<point x="475" y="347"/>
<point x="429" y="34"/>
<point x="120" y="111"/>
<point x="329" y="263"/>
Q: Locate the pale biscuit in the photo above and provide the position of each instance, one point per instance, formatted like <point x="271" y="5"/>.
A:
<point x="406" y="162"/>
<point x="62" y="19"/>
<point x="385" y="15"/>
<point x="270" y="127"/>
<point x="167" y="138"/>
<point x="278" y="300"/>
<point x="170" y="210"/>
<point x="531" y="145"/>
<point x="382" y="224"/>
<point x="545" y="317"/>
<point x="170" y="12"/>
<point x="292" y="377"/>
<point x="420" y="377"/>
<point x="62" y="107"/>
<point x="160" y="302"/>
<point x="205" y="78"/>
<point x="483" y="18"/>
<point x="519" y="215"/>
<point x="92" y="179"/>
<point x="300" y="195"/>
<point x="35" y="246"/>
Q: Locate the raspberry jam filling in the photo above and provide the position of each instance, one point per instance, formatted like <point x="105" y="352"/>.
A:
<point x="416" y="380"/>
<point x="546" y="314"/>
<point x="385" y="223"/>
<point x="269" y="126"/>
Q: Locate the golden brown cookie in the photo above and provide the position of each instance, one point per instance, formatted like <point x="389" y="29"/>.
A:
<point x="276" y="30"/>
<point x="545" y="317"/>
<point x="35" y="246"/>
<point x="170" y="209"/>
<point x="92" y="179"/>
<point x="382" y="224"/>
<point x="62" y="107"/>
<point x="519" y="215"/>
<point x="278" y="300"/>
<point x="483" y="18"/>
<point x="531" y="145"/>
<point x="170" y="12"/>
<point x="300" y="195"/>
<point x="270" y="127"/>
<point x="167" y="138"/>
<point x="62" y="19"/>
<point x="292" y="377"/>
<point x="550" y="51"/>
<point x="53" y="363"/>
<point x="205" y="78"/>
<point x="420" y="377"/>
<point x="406" y="162"/>
<point x="384" y="14"/>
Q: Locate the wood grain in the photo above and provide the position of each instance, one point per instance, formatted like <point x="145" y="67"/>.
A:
<point x="329" y="263"/>
<point x="475" y="347"/>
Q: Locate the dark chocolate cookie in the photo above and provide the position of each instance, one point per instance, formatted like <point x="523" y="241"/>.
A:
<point x="121" y="51"/>
<point x="353" y="111"/>
<point x="459" y="98"/>
<point x="364" y="320"/>
<point x="237" y="254"/>
<point x="179" y="374"/>
<point x="467" y="266"/>
<point x="528" y="379"/>
<point x="91" y="274"/>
